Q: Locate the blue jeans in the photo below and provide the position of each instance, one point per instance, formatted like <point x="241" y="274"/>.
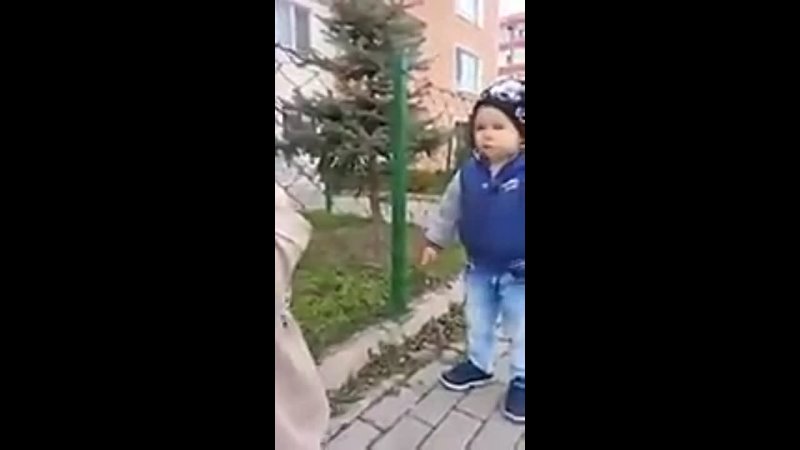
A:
<point x="491" y="295"/>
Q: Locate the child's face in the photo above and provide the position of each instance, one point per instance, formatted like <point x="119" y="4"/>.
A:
<point x="495" y="134"/>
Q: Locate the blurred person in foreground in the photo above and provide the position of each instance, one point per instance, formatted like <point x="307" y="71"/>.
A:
<point x="301" y="407"/>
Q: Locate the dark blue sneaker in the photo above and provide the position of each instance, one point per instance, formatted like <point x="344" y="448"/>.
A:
<point x="514" y="408"/>
<point x="465" y="376"/>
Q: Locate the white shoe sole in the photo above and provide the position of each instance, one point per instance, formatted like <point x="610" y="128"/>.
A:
<point x="513" y="418"/>
<point x="464" y="387"/>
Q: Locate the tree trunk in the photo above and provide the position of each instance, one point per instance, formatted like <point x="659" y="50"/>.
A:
<point x="327" y="183"/>
<point x="328" y="199"/>
<point x="374" y="188"/>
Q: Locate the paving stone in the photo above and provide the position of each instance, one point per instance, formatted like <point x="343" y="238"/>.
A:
<point x="354" y="410"/>
<point x="426" y="378"/>
<point x="497" y="434"/>
<point x="454" y="433"/>
<point x="436" y="405"/>
<point x="389" y="409"/>
<point x="356" y="437"/>
<point x="482" y="402"/>
<point x="406" y="435"/>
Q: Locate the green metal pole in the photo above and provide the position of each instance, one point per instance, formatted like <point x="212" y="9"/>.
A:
<point x="399" y="144"/>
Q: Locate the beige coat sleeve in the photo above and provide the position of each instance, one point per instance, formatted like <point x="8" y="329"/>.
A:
<point x="301" y="408"/>
<point x="292" y="234"/>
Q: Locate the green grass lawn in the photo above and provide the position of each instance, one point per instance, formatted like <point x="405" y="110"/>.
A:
<point x="342" y="285"/>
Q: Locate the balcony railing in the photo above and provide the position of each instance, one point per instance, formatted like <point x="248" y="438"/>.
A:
<point x="514" y="43"/>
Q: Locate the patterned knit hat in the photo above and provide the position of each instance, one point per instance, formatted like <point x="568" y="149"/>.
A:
<point x="507" y="95"/>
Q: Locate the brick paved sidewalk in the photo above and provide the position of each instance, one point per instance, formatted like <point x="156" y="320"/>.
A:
<point x="422" y="415"/>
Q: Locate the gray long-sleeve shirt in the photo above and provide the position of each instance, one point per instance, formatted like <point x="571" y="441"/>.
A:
<point x="443" y="224"/>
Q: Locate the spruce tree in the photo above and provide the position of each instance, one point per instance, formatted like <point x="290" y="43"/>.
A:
<point x="347" y="128"/>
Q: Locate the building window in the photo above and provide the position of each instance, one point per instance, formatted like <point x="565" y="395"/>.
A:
<point x="472" y="10"/>
<point x="292" y="26"/>
<point x="467" y="71"/>
<point x="519" y="55"/>
<point x="294" y="122"/>
<point x="296" y="127"/>
<point x="510" y="34"/>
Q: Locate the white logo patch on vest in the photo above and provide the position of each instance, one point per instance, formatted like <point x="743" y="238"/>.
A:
<point x="510" y="185"/>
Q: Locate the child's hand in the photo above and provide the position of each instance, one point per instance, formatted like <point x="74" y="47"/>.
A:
<point x="429" y="255"/>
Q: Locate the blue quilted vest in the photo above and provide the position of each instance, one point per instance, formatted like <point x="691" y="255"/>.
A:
<point x="492" y="222"/>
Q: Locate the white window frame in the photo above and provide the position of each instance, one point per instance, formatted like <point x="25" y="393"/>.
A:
<point x="293" y="7"/>
<point x="479" y="70"/>
<point x="478" y="21"/>
<point x="511" y="35"/>
<point x="519" y="55"/>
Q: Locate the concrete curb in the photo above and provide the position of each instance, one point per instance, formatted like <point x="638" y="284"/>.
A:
<point x="348" y="358"/>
